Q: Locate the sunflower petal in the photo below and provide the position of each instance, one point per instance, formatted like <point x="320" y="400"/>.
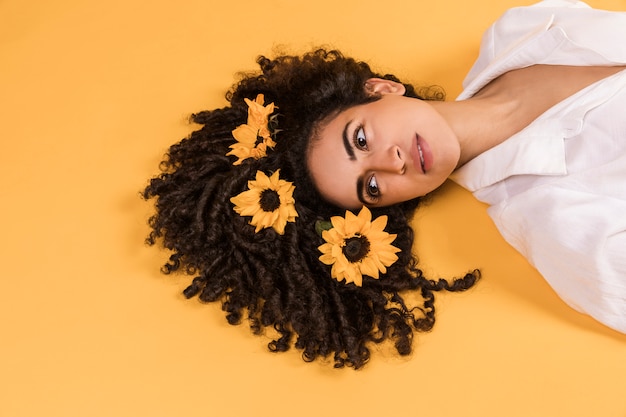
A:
<point x="246" y="134"/>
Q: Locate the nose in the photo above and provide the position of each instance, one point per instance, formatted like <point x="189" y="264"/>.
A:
<point x="388" y="160"/>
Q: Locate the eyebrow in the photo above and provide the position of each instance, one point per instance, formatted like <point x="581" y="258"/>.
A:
<point x="346" y="142"/>
<point x="359" y="181"/>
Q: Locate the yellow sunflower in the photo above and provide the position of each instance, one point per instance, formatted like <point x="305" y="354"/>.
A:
<point x="357" y="246"/>
<point x="269" y="200"/>
<point x="253" y="138"/>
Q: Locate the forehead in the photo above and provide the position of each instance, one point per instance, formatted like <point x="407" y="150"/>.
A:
<point x="332" y="171"/>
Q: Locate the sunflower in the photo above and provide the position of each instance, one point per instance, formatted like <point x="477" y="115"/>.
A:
<point x="269" y="200"/>
<point x="356" y="246"/>
<point x="254" y="137"/>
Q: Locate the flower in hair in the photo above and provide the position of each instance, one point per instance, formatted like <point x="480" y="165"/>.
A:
<point x="269" y="200"/>
<point x="357" y="246"/>
<point x="254" y="137"/>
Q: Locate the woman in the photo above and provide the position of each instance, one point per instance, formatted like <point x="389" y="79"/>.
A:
<point x="250" y="203"/>
<point x="539" y="134"/>
<point x="236" y="205"/>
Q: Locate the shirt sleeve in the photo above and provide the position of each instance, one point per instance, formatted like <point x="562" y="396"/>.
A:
<point x="577" y="240"/>
<point x="599" y="32"/>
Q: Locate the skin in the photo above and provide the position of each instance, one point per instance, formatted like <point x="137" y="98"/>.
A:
<point x="398" y="148"/>
<point x="375" y="150"/>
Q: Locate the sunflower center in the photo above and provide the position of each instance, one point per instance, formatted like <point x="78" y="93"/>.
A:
<point x="356" y="248"/>
<point x="269" y="201"/>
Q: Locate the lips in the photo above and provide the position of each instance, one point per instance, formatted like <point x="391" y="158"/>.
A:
<point x="421" y="157"/>
<point x="421" y="154"/>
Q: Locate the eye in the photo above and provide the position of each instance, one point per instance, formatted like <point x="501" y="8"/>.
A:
<point x="360" y="141"/>
<point x="372" y="188"/>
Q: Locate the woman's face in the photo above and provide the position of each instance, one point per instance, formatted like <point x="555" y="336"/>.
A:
<point x="384" y="152"/>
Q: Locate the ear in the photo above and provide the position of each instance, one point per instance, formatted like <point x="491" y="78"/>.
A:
<point x="379" y="86"/>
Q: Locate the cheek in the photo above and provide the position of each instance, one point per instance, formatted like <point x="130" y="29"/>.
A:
<point x="396" y="189"/>
<point x="405" y="188"/>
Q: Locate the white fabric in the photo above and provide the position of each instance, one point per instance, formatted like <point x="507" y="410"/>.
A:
<point x="557" y="189"/>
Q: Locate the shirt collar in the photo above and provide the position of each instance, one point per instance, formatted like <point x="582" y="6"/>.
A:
<point x="537" y="150"/>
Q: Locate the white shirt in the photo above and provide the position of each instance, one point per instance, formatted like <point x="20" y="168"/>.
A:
<point x="557" y="189"/>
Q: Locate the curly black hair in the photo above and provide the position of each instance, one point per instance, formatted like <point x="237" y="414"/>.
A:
<point x="278" y="280"/>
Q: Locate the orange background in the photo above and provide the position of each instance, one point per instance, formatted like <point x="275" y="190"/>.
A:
<point x="93" y="92"/>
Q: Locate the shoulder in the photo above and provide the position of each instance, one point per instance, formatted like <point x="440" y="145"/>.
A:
<point x="576" y="18"/>
<point x="554" y="32"/>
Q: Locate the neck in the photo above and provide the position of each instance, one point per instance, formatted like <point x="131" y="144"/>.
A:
<point x="511" y="102"/>
<point x="479" y="123"/>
